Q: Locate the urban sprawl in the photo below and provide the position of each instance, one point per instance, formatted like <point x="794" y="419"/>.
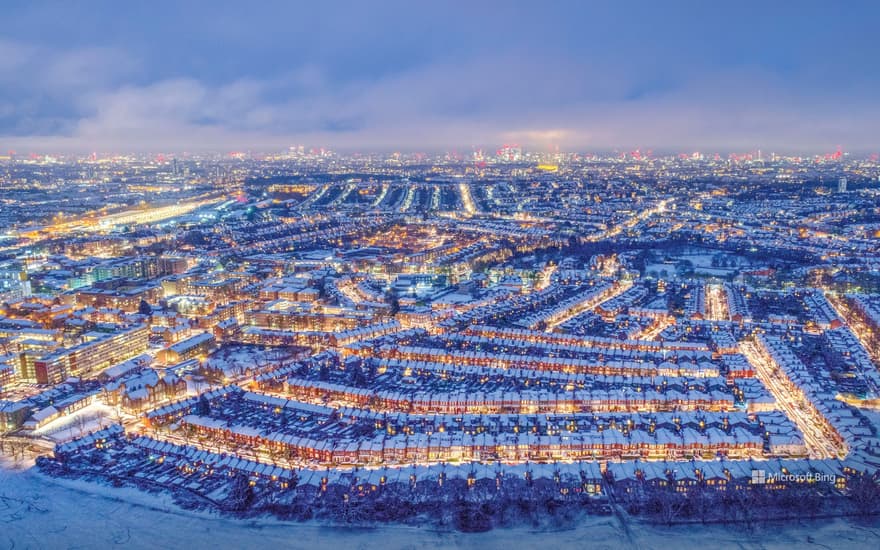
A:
<point x="469" y="340"/>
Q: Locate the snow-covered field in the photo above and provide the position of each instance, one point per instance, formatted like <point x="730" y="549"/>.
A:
<point x="40" y="512"/>
<point x="92" y="418"/>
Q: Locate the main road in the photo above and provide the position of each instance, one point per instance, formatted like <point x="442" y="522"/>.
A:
<point x="818" y="432"/>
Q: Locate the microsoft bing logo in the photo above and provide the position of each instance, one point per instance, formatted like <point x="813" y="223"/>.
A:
<point x="759" y="477"/>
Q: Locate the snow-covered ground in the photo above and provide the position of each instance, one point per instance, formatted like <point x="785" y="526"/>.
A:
<point x="41" y="512"/>
<point x="89" y="419"/>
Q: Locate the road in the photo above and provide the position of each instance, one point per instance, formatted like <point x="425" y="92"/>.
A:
<point x="589" y="304"/>
<point x="817" y="431"/>
<point x="716" y="303"/>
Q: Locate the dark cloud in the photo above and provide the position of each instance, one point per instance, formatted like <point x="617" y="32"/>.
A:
<point x="163" y="76"/>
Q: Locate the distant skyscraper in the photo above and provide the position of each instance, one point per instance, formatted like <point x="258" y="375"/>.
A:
<point x="841" y="185"/>
<point x="510" y="153"/>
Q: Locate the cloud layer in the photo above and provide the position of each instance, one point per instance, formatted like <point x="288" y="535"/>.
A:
<point x="406" y="76"/>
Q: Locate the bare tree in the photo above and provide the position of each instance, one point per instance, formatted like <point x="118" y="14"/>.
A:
<point x="864" y="493"/>
<point x="81" y="422"/>
<point x="5" y="345"/>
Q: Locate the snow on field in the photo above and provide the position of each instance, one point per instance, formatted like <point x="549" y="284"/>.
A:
<point x="40" y="512"/>
<point x="89" y="419"/>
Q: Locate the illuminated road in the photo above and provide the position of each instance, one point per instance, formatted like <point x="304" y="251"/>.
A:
<point x="466" y="199"/>
<point x="546" y="277"/>
<point x="583" y="306"/>
<point x="381" y="196"/>
<point x="654" y="330"/>
<point x="716" y="303"/>
<point x="98" y="221"/>
<point x="817" y="432"/>
<point x="630" y="223"/>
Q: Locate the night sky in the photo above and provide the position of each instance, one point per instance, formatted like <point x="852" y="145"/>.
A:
<point x="115" y="76"/>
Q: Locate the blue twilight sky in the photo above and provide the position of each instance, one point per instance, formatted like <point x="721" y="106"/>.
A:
<point x="365" y="75"/>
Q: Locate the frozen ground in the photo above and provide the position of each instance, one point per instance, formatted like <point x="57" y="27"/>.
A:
<point x="89" y="419"/>
<point x="39" y="512"/>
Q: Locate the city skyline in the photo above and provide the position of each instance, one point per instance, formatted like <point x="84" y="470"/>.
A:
<point x="675" y="77"/>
